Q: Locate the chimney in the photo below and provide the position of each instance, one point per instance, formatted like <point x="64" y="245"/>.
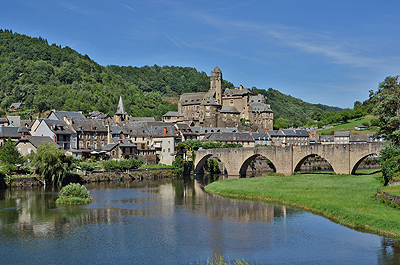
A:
<point x="54" y="138"/>
<point x="165" y="131"/>
<point x="280" y="129"/>
<point x="266" y="130"/>
<point x="108" y="133"/>
<point x="92" y="128"/>
<point x="22" y="135"/>
<point x="240" y="87"/>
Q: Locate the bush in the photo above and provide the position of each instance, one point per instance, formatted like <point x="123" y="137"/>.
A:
<point x="74" y="193"/>
<point x="125" y="164"/>
<point x="87" y="166"/>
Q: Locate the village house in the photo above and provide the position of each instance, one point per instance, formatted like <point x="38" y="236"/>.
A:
<point x="57" y="130"/>
<point x="29" y="144"/>
<point x="6" y="132"/>
<point x="90" y="135"/>
<point x="16" y="106"/>
<point x="172" y="116"/>
<point x="262" y="139"/>
<point x="342" y="137"/>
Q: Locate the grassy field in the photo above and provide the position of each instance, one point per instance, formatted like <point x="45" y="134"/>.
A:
<point x="395" y="190"/>
<point x="345" y="199"/>
<point x="349" y="126"/>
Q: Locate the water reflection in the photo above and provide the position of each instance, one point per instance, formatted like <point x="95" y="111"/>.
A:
<point x="178" y="220"/>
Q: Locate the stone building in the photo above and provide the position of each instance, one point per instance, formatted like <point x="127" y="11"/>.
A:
<point x="220" y="107"/>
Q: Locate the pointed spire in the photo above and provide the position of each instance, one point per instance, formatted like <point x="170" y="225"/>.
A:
<point x="120" y="108"/>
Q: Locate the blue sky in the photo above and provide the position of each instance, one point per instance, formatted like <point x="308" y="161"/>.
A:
<point x="328" y="52"/>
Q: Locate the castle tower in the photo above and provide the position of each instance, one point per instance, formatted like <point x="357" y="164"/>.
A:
<point x="216" y="84"/>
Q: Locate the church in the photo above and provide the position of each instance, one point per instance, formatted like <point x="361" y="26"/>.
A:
<point x="220" y="107"/>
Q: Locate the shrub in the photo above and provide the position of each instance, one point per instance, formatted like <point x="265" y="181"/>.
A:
<point x="87" y="166"/>
<point x="75" y="190"/>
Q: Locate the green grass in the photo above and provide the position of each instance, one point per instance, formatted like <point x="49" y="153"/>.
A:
<point x="395" y="190"/>
<point x="349" y="126"/>
<point x="345" y="199"/>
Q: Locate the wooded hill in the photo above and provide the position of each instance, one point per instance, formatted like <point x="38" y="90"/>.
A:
<point x="46" y="77"/>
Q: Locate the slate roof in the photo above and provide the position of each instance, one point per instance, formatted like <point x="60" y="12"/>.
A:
<point x="257" y="99"/>
<point x="259" y="107"/>
<point x="110" y="147"/>
<point x="209" y="99"/>
<point x="142" y="119"/>
<point x="27" y="123"/>
<point x="87" y="125"/>
<point x="16" y="106"/>
<point x="58" y="126"/>
<point x="359" y="138"/>
<point x="274" y="133"/>
<point x="229" y="109"/>
<point x="289" y="132"/>
<point x="60" y="114"/>
<point x="228" y="137"/>
<point x="14" y="121"/>
<point x="97" y="115"/>
<point x="38" y="140"/>
<point x="120" y="107"/>
<point x="217" y="70"/>
<point x="302" y="133"/>
<point x="236" y="92"/>
<point x="8" y="131"/>
<point x="192" y="98"/>
<point x="342" y="134"/>
<point x="261" y="136"/>
<point x="173" y="114"/>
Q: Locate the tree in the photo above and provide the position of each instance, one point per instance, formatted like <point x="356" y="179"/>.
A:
<point x="387" y="108"/>
<point x="281" y="123"/>
<point x="51" y="164"/>
<point x="390" y="163"/>
<point x="10" y="156"/>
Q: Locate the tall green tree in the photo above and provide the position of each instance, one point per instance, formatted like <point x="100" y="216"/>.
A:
<point x="387" y="108"/>
<point x="10" y="156"/>
<point x="51" y="164"/>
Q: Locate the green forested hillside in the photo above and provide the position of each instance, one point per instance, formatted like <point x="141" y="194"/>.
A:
<point x="293" y="109"/>
<point x="48" y="77"/>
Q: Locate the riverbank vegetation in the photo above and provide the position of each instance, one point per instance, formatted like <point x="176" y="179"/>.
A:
<point x="346" y="199"/>
<point x="74" y="193"/>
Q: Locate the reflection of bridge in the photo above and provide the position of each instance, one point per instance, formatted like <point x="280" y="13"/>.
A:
<point x="344" y="158"/>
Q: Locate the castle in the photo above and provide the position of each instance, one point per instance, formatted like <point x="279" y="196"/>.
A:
<point x="220" y="107"/>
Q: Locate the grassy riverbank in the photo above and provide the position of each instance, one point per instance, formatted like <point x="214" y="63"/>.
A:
<point x="345" y="199"/>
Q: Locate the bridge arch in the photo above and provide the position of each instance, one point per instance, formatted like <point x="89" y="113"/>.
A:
<point x="303" y="159"/>
<point x="247" y="161"/>
<point x="199" y="166"/>
<point x="358" y="162"/>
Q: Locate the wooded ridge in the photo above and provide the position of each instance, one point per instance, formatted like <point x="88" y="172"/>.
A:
<point x="46" y="77"/>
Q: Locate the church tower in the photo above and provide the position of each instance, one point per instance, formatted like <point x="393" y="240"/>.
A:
<point x="121" y="114"/>
<point x="216" y="84"/>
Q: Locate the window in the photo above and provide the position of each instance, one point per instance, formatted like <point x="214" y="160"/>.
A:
<point x="88" y="145"/>
<point x="169" y="150"/>
<point x="94" y="146"/>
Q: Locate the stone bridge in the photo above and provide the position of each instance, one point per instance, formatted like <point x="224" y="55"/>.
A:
<point x="344" y="158"/>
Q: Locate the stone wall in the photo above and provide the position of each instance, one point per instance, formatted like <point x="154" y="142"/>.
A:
<point x="139" y="174"/>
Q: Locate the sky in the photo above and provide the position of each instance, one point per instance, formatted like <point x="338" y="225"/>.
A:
<point x="328" y="52"/>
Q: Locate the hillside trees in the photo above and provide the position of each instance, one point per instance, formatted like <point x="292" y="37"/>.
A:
<point x="48" y="77"/>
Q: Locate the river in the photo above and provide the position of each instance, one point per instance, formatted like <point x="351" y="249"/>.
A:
<point x="173" y="222"/>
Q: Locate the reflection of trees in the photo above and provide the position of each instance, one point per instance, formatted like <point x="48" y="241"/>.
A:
<point x="390" y="252"/>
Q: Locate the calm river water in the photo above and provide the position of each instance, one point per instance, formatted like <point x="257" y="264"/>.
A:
<point x="173" y="222"/>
